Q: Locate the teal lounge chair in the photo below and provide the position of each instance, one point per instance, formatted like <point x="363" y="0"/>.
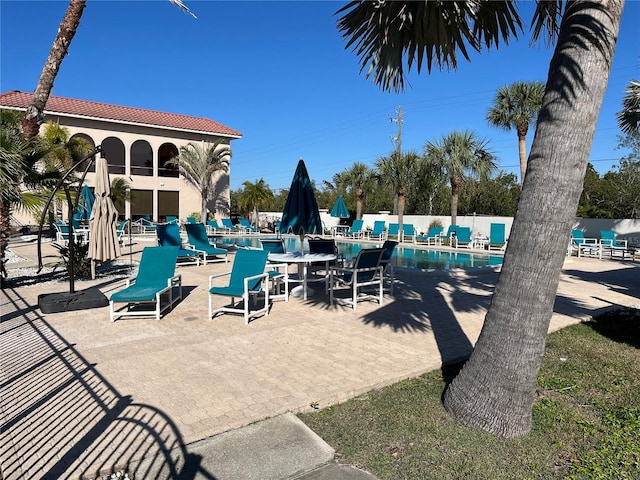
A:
<point x="408" y="232"/>
<point x="393" y="231"/>
<point x="199" y="241"/>
<point x="496" y="236"/>
<point x="171" y="219"/>
<point x="452" y="230"/>
<point x="213" y="227"/>
<point x="356" y="229"/>
<point x="278" y="272"/>
<point x="463" y="237"/>
<point x="169" y="236"/>
<point x="612" y="245"/>
<point x="379" y="230"/>
<point x="121" y="232"/>
<point x="191" y="220"/>
<point x="432" y="237"/>
<point x="365" y="272"/>
<point x="247" y="280"/>
<point x="584" y="246"/>
<point x="156" y="279"/>
<point x="246" y="226"/>
<point x="227" y="223"/>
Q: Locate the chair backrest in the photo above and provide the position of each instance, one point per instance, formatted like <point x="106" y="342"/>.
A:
<point x="356" y="226"/>
<point x="463" y="234"/>
<point x="408" y="230"/>
<point x="435" y="231"/>
<point x="122" y="227"/>
<point x="496" y="233"/>
<point x="191" y="220"/>
<point x="451" y="230"/>
<point x="157" y="264"/>
<point x="273" y="245"/>
<point x="378" y="227"/>
<point x="171" y="219"/>
<point x="227" y="223"/>
<point x="197" y="234"/>
<point x="169" y="235"/>
<point x="247" y="263"/>
<point x="389" y="246"/>
<point x="322" y="245"/>
<point x="394" y="228"/>
<point x="368" y="258"/>
<point x="577" y="237"/>
<point x="214" y="224"/>
<point x="608" y="237"/>
<point x="245" y="223"/>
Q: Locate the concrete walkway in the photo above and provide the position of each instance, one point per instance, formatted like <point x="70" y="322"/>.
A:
<point x="82" y="396"/>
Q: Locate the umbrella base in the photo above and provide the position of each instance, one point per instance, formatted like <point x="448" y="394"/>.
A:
<point x="298" y="292"/>
<point x="65" y="302"/>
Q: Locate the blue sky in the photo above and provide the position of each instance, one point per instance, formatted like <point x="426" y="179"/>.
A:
<point x="278" y="72"/>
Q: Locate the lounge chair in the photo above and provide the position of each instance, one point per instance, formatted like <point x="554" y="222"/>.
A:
<point x="393" y="231"/>
<point x="432" y="237"/>
<point x="612" y="245"/>
<point x="365" y="272"/>
<point x="408" y="232"/>
<point x="156" y="279"/>
<point x="448" y="237"/>
<point x="191" y="220"/>
<point x="169" y="236"/>
<point x="356" y="229"/>
<point x="227" y="223"/>
<point x="246" y="226"/>
<point x="213" y="227"/>
<point x="247" y="280"/>
<point x="171" y="219"/>
<point x="379" y="231"/>
<point x="278" y="272"/>
<point x="199" y="241"/>
<point x="463" y="237"/>
<point x="121" y="232"/>
<point x="496" y="236"/>
<point x="584" y="246"/>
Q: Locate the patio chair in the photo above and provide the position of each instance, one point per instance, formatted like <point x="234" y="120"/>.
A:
<point x="356" y="229"/>
<point x="213" y="227"/>
<point x="365" y="272"/>
<point x="584" y="246"/>
<point x="319" y="270"/>
<point x="463" y="237"/>
<point x="199" y="241"/>
<point x="121" y="232"/>
<point x="278" y="272"/>
<point x="496" y="236"/>
<point x="379" y="231"/>
<point x="612" y="245"/>
<point x="147" y="226"/>
<point x="155" y="279"/>
<point x="169" y="236"/>
<point x="408" y="231"/>
<point x="393" y="231"/>
<point x="172" y="219"/>
<point x="227" y="223"/>
<point x="246" y="226"/>
<point x="247" y="280"/>
<point x="447" y="238"/>
<point x="385" y="262"/>
<point x="432" y="237"/>
<point x="191" y="220"/>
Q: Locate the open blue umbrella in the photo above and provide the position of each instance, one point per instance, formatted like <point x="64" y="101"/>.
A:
<point x="340" y="209"/>
<point x="300" y="215"/>
<point x="85" y="203"/>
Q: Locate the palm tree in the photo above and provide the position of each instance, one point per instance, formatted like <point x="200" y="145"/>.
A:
<point x="495" y="388"/>
<point x="201" y="164"/>
<point x="255" y="195"/>
<point x="629" y="116"/>
<point x="357" y="179"/>
<point x="457" y="155"/>
<point x="34" y="115"/>
<point x="399" y="170"/>
<point x="517" y="106"/>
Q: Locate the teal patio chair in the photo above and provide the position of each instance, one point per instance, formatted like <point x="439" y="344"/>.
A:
<point x="171" y="219"/>
<point x="432" y="237"/>
<point x="463" y="237"/>
<point x="121" y="232"/>
<point x="155" y="279"/>
<point x="379" y="231"/>
<point x="246" y="226"/>
<point x="278" y="272"/>
<point x="191" y="220"/>
<point x="584" y="246"/>
<point x="387" y="265"/>
<point x="247" y="280"/>
<point x="227" y="223"/>
<point x="612" y="245"/>
<point x="393" y="231"/>
<point x="199" y="241"/>
<point x="169" y="236"/>
<point x="448" y="237"/>
<point x="356" y="229"/>
<point x="366" y="271"/>
<point x="408" y="232"/>
<point x="213" y="227"/>
<point x="496" y="236"/>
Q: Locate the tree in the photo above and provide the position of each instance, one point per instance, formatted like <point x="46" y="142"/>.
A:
<point x="399" y="170"/>
<point x="201" y="165"/>
<point x="357" y="179"/>
<point x="255" y="196"/>
<point x="516" y="106"/>
<point x="629" y="116"/>
<point x="495" y="388"/>
<point x="460" y="154"/>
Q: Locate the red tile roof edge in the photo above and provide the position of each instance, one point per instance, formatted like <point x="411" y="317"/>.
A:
<point x="116" y="113"/>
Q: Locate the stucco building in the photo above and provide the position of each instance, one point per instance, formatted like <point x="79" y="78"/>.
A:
<point x="137" y="144"/>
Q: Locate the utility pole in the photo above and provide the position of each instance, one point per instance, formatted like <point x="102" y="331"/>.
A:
<point x="399" y="121"/>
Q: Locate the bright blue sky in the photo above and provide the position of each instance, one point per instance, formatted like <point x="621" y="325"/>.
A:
<point x="278" y="72"/>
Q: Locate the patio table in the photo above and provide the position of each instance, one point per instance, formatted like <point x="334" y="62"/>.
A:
<point x="304" y="259"/>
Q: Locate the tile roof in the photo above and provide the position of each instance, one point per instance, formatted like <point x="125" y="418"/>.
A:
<point x="118" y="114"/>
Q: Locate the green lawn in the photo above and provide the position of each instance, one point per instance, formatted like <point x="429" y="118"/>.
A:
<point x="586" y="417"/>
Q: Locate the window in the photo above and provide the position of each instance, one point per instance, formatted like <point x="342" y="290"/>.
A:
<point x="141" y="158"/>
<point x="113" y="151"/>
<point x="166" y="152"/>
<point x="91" y="145"/>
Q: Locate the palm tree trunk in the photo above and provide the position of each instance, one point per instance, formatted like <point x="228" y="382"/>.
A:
<point x="401" y="202"/>
<point x="454" y="208"/>
<point x="522" y="151"/>
<point x="5" y="227"/>
<point x="359" y="197"/>
<point x="34" y="114"/>
<point x="495" y="389"/>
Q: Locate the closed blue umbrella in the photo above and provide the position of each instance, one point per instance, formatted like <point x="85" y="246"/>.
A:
<point x="300" y="215"/>
<point x="340" y="209"/>
<point x="85" y="203"/>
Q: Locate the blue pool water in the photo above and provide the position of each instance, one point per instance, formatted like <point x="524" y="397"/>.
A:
<point x="403" y="256"/>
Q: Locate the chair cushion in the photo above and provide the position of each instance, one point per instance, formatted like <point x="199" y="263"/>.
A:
<point x="136" y="293"/>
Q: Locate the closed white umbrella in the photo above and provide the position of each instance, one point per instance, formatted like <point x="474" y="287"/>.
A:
<point x="103" y="239"/>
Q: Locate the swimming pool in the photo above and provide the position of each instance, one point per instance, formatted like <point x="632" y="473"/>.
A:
<point x="403" y="256"/>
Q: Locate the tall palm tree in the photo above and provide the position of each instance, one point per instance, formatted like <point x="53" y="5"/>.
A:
<point x="201" y="164"/>
<point x="516" y="106"/>
<point x="457" y="155"/>
<point x="495" y="388"/>
<point x="399" y="170"/>
<point x="255" y="195"/>
<point x="34" y="115"/>
<point x="629" y="116"/>
<point x="356" y="179"/>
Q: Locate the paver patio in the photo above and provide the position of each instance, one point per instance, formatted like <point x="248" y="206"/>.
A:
<point x="80" y="395"/>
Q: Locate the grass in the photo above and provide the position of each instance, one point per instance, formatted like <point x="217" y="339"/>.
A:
<point x="586" y="417"/>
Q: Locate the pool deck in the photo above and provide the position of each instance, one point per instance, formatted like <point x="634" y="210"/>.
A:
<point x="81" y="395"/>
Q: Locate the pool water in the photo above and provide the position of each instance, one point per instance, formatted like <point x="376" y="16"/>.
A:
<point x="403" y="256"/>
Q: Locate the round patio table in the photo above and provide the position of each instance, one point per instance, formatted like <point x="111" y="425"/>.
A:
<point x="304" y="259"/>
